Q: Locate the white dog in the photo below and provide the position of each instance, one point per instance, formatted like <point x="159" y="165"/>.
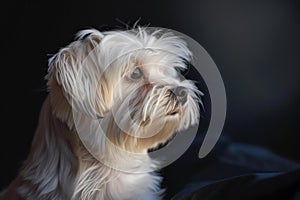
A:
<point x="112" y="97"/>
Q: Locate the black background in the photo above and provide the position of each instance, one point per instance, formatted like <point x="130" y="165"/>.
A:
<point x="255" y="44"/>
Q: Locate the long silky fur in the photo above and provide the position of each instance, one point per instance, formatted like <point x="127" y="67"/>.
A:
<point x="83" y="78"/>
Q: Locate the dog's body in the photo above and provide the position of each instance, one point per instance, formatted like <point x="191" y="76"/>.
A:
<point x="125" y="81"/>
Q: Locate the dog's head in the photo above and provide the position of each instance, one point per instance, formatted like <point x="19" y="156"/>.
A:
<point x="129" y="79"/>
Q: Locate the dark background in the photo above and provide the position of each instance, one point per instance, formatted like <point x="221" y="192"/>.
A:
<point x="255" y="44"/>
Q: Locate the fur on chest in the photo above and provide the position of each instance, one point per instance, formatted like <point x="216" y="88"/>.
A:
<point x="101" y="182"/>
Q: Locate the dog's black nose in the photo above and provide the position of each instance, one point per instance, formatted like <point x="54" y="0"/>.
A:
<point x="181" y="94"/>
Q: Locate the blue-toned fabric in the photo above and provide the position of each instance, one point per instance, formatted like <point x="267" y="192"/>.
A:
<point x="233" y="171"/>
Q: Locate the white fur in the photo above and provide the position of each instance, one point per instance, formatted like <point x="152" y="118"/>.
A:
<point x="72" y="157"/>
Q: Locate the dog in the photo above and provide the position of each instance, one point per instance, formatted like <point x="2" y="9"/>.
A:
<point x="112" y="97"/>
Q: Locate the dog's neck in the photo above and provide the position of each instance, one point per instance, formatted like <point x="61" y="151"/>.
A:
<point x="60" y="167"/>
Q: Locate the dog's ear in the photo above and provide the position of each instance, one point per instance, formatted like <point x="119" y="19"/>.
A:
<point x="76" y="79"/>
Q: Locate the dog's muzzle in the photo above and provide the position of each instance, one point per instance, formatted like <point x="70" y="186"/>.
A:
<point x="178" y="97"/>
<point x="180" y="94"/>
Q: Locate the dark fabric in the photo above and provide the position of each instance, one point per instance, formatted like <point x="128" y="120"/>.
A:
<point x="249" y="186"/>
<point x="232" y="171"/>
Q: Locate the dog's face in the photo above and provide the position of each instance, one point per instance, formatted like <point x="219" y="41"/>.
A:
<point x="130" y="80"/>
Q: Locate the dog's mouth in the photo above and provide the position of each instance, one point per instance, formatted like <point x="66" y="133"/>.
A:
<point x="173" y="107"/>
<point x="162" y="144"/>
<point x="173" y="113"/>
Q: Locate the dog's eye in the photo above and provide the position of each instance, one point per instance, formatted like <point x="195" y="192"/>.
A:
<point x="136" y="74"/>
